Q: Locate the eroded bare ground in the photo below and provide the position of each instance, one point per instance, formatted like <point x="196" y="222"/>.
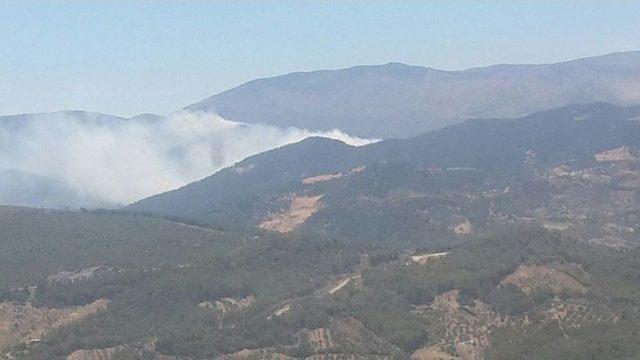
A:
<point x="575" y="206"/>
<point x="622" y="153"/>
<point x="300" y="209"/>
<point x="321" y="178"/>
<point x="77" y="275"/>
<point x="320" y="340"/>
<point x="463" y="228"/>
<point x="329" y="344"/>
<point x="271" y="354"/>
<point x="225" y="305"/>
<point x="140" y="351"/>
<point x="423" y="259"/>
<point x="339" y="356"/>
<point x="94" y="354"/>
<point x="25" y="323"/>
<point x="466" y="329"/>
<point x="327" y="177"/>
<point x="280" y="310"/>
<point x="432" y="353"/>
<point x="530" y="278"/>
<point x="255" y="354"/>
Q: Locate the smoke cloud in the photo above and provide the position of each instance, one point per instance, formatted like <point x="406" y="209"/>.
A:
<point x="117" y="161"/>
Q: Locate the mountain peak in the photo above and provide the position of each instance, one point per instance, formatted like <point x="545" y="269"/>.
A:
<point x="400" y="100"/>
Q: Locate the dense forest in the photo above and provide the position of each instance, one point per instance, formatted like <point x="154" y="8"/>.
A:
<point x="388" y="307"/>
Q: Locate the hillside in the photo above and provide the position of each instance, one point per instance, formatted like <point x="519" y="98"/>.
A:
<point x="535" y="169"/>
<point x="397" y="100"/>
<point x="106" y="285"/>
<point x="489" y="239"/>
<point x="278" y="168"/>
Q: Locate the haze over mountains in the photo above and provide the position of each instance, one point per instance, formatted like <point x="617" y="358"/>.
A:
<point x="397" y="100"/>
<point x="113" y="161"/>
<point x="25" y="189"/>
<point x="369" y="102"/>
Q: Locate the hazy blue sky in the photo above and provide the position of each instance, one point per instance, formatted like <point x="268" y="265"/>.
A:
<point x="128" y="57"/>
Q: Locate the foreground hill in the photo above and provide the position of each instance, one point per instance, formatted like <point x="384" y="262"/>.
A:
<point x="397" y="100"/>
<point x="106" y="285"/>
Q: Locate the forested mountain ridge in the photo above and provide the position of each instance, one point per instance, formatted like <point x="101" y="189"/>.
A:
<point x="397" y="100"/>
<point x="276" y="168"/>
<point x="489" y="170"/>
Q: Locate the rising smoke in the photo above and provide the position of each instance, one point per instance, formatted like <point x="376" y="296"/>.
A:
<point x="117" y="161"/>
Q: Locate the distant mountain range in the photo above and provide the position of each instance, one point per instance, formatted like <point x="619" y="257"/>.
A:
<point x="26" y="189"/>
<point x="397" y="100"/>
<point x="400" y="101"/>
<point x="9" y="121"/>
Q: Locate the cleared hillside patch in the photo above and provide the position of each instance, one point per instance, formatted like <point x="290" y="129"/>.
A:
<point x="321" y="178"/>
<point x="25" y="323"/>
<point x="530" y="278"/>
<point x="300" y="209"/>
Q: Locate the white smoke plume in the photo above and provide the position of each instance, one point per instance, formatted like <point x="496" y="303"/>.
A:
<point x="117" y="161"/>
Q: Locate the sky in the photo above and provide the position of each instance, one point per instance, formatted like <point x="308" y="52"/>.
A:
<point x="131" y="57"/>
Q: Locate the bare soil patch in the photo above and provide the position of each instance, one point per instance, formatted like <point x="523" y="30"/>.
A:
<point x="464" y="227"/>
<point x="24" y="323"/>
<point x="431" y="353"/>
<point x="320" y="339"/>
<point x="530" y="278"/>
<point x="300" y="209"/>
<point x="614" y="155"/>
<point x="281" y="310"/>
<point x="225" y="305"/>
<point x="321" y="178"/>
<point x="423" y="259"/>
